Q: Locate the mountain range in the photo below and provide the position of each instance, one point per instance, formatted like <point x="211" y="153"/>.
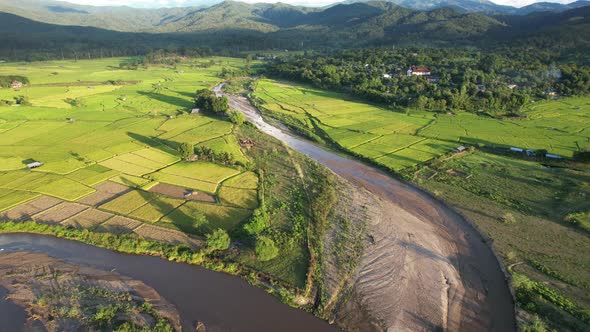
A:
<point x="237" y="25"/>
<point x="261" y="17"/>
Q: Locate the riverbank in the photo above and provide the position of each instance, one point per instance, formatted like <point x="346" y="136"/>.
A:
<point x="424" y="266"/>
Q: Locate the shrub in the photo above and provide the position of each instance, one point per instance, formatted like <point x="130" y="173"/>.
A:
<point x="266" y="248"/>
<point x="218" y="240"/>
<point x="236" y="117"/>
<point x="508" y="218"/>
<point x="22" y="100"/>
<point x="257" y="223"/>
<point x="186" y="150"/>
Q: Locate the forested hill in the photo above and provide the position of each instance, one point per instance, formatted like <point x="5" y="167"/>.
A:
<point x="239" y="26"/>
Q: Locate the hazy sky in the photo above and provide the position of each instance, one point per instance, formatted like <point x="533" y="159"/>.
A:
<point x="182" y="3"/>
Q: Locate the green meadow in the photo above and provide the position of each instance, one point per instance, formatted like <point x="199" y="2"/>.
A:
<point x="399" y="140"/>
<point x="90" y="121"/>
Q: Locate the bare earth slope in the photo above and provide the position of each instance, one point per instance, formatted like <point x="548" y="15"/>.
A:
<point x="423" y="267"/>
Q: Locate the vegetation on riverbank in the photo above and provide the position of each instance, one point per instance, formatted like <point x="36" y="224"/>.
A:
<point x="523" y="206"/>
<point x="532" y="207"/>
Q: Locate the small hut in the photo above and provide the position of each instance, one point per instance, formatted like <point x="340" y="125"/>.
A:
<point x="34" y="164"/>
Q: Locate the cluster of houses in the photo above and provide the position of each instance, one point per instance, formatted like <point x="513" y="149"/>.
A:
<point x="533" y="153"/>
<point x="417" y="71"/>
<point x="528" y="152"/>
<point x="16" y="85"/>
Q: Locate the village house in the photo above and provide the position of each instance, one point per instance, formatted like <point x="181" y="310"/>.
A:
<point x="513" y="149"/>
<point x="512" y="86"/>
<point x="551" y="93"/>
<point x="553" y="156"/>
<point x="460" y="148"/>
<point x="16" y="84"/>
<point x="386" y="75"/>
<point x="195" y="111"/>
<point x="34" y="164"/>
<point x="418" y="71"/>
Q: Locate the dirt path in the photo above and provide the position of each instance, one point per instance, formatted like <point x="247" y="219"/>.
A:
<point x="426" y="268"/>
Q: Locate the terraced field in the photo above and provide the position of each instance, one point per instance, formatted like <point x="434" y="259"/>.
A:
<point x="401" y="140"/>
<point x="90" y="125"/>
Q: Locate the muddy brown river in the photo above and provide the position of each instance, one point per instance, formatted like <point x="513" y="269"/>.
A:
<point x="223" y="302"/>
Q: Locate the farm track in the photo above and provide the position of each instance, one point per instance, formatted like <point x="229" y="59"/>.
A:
<point x="427" y="268"/>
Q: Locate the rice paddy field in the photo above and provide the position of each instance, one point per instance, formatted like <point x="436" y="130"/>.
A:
<point x="91" y="123"/>
<point x="403" y="140"/>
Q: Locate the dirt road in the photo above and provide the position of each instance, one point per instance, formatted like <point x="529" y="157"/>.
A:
<point x="426" y="268"/>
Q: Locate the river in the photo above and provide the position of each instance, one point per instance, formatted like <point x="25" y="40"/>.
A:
<point x="223" y="302"/>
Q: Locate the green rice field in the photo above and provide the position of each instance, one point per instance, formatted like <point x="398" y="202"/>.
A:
<point x="90" y="121"/>
<point x="402" y="140"/>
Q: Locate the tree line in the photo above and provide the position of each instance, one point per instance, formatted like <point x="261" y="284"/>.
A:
<point x="498" y="82"/>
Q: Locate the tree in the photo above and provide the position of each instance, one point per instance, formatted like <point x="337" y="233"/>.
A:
<point x="186" y="150"/>
<point x="236" y="117"/>
<point x="257" y="223"/>
<point x="266" y="248"/>
<point x="583" y="155"/>
<point x="218" y="240"/>
<point x="22" y="100"/>
<point x="208" y="102"/>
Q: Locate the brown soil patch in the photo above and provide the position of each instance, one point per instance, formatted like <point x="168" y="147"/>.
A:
<point x="88" y="219"/>
<point x="180" y="192"/>
<point x="29" y="277"/>
<point x="26" y="211"/>
<point x="119" y="225"/>
<point x="105" y="191"/>
<point x="167" y="235"/>
<point x="455" y="172"/>
<point x="59" y="212"/>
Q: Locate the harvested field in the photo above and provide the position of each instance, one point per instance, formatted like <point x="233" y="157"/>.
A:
<point x="88" y="219"/>
<point x="25" y="211"/>
<point x="167" y="235"/>
<point x="104" y="192"/>
<point x="60" y="212"/>
<point x="119" y="225"/>
<point x="180" y="192"/>
<point x="111" y="187"/>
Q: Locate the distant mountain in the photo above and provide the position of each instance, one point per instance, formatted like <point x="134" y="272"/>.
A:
<point x="550" y="7"/>
<point x="113" y="18"/>
<point x="468" y="6"/>
<point x="238" y="25"/>
<point x="482" y="6"/>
